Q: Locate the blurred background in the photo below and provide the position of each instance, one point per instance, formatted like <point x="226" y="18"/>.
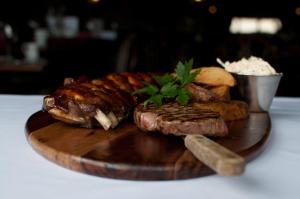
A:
<point x="43" y="41"/>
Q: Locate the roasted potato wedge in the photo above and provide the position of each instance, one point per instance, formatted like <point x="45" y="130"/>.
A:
<point x="214" y="76"/>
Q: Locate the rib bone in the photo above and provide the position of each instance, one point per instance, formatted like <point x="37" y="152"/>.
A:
<point x="113" y="119"/>
<point x="103" y="119"/>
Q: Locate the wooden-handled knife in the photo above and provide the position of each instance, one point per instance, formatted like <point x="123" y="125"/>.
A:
<point x="215" y="156"/>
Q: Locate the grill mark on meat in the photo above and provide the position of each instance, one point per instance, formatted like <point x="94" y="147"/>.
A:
<point x="133" y="79"/>
<point x="188" y="117"/>
<point x="177" y="109"/>
<point x="111" y="87"/>
<point x="120" y="81"/>
<point x="147" y="77"/>
<point x="107" y="97"/>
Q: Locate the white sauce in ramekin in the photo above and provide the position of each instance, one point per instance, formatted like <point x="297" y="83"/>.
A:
<point x="250" y="66"/>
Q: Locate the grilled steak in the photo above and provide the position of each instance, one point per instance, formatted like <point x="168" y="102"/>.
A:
<point x="173" y="118"/>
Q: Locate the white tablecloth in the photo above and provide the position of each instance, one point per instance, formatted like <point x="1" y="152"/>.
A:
<point x="26" y="174"/>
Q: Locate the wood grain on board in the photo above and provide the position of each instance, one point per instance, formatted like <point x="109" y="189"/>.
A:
<point x="128" y="153"/>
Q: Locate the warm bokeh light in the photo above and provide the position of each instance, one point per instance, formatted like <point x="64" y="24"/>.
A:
<point x="93" y="1"/>
<point x="212" y="9"/>
<point x="244" y="25"/>
<point x="297" y="11"/>
<point x="198" y="1"/>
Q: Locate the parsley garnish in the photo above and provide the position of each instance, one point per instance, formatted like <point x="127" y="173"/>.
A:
<point x="170" y="87"/>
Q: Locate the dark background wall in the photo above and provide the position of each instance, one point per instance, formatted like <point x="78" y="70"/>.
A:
<point x="152" y="36"/>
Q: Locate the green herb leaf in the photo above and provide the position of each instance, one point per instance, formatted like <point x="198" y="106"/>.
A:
<point x="189" y="64"/>
<point x="139" y="91"/>
<point x="183" y="72"/>
<point x="150" y="90"/>
<point x="156" y="99"/>
<point x="169" y="90"/>
<point x="146" y="102"/>
<point x="191" y="77"/>
<point x="165" y="79"/>
<point x="170" y="87"/>
<point x="183" y="96"/>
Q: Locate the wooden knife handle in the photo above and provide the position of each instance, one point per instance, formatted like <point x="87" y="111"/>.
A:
<point x="217" y="157"/>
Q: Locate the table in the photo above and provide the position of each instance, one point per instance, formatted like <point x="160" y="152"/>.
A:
<point x="25" y="174"/>
<point x="20" y="66"/>
<point x="19" y="76"/>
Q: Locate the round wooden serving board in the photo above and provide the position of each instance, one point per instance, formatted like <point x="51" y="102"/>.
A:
<point x="128" y="153"/>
